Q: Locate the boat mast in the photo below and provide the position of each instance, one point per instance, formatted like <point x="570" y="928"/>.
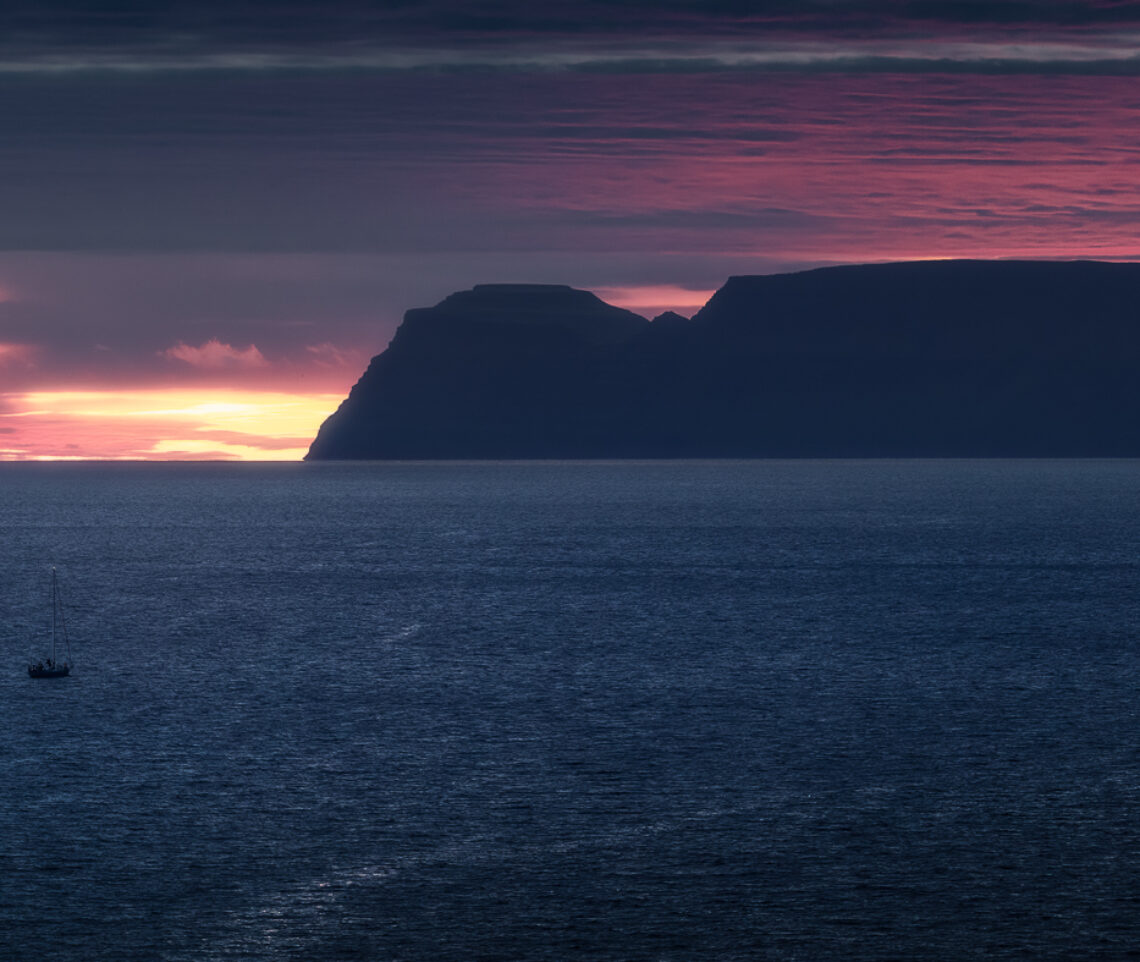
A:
<point x="54" y="606"/>
<point x="62" y="621"/>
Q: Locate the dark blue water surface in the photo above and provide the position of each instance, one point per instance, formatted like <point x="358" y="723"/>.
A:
<point x="683" y="712"/>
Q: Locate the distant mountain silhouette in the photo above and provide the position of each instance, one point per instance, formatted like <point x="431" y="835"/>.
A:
<point x="935" y="358"/>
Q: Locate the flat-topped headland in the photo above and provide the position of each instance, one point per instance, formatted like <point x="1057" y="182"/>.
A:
<point x="917" y="359"/>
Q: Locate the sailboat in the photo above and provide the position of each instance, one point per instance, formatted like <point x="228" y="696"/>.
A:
<point x="50" y="667"/>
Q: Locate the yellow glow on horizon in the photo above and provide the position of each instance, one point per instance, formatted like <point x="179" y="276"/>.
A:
<point x="182" y="449"/>
<point x="281" y="411"/>
<point x="174" y="424"/>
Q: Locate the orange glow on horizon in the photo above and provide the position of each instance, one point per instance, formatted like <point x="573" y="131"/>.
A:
<point x="161" y="425"/>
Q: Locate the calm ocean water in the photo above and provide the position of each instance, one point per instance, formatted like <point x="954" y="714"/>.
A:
<point x="683" y="712"/>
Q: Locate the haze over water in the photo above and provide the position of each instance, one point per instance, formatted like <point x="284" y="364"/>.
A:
<point x="669" y="711"/>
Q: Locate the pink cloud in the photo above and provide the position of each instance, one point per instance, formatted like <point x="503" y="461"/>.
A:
<point x="329" y="355"/>
<point x="16" y="354"/>
<point x="214" y="354"/>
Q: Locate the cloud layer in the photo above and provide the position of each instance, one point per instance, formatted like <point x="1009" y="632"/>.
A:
<point x="201" y="195"/>
<point x="214" y="355"/>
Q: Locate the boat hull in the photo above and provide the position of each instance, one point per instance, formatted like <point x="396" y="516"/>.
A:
<point x="61" y="671"/>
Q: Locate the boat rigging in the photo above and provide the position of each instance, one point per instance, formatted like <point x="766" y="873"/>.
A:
<point x="51" y="667"/>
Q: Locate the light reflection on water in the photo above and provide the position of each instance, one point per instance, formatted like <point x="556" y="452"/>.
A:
<point x="602" y="711"/>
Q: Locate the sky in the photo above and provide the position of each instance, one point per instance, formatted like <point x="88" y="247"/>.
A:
<point x="213" y="214"/>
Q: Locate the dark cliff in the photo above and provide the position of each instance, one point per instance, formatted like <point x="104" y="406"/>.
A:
<point x="944" y="358"/>
<point x="504" y="370"/>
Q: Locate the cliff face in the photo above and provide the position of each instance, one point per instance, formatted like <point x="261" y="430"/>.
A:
<point x="947" y="358"/>
<point x="501" y="371"/>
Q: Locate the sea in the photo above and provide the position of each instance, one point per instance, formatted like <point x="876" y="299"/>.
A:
<point x="526" y="712"/>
